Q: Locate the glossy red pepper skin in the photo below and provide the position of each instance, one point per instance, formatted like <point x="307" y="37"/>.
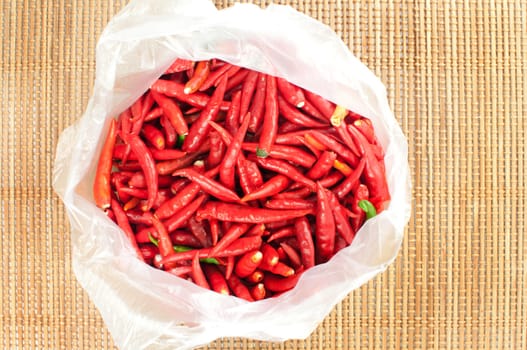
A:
<point x="351" y="181"/>
<point x="146" y="160"/>
<point x="165" y="244"/>
<point x="296" y="116"/>
<point x="292" y="254"/>
<point x="292" y="154"/>
<point x="216" y="279"/>
<point x="228" y="165"/>
<point x="325" y="226"/>
<point x="247" y="92"/>
<point x="174" y="89"/>
<point x="207" y="185"/>
<point x="258" y="291"/>
<point x="269" y="257"/>
<point x="124" y="224"/>
<point x="154" y="136"/>
<point x="232" y="119"/>
<point x="239" y="289"/>
<point x="197" y="273"/>
<point x="305" y="241"/>
<point x="275" y="283"/>
<point x="335" y="146"/>
<point x="289" y="203"/>
<point x="291" y="93"/>
<point x="169" y="132"/>
<point x="258" y="103"/>
<point x="246" y="214"/>
<point x="288" y="231"/>
<point x="102" y="193"/>
<point x="200" y="128"/>
<point x="199" y="231"/>
<point x="179" y="65"/>
<point x="183" y="215"/>
<point x="201" y="72"/>
<point x="172" y="111"/>
<point x="217" y="150"/>
<point x="239" y="247"/>
<point x="214" y="76"/>
<point x="248" y="263"/>
<point x="237" y="79"/>
<point x="270" y="121"/>
<point x="153" y="114"/>
<point x="285" y="168"/>
<point x="231" y="235"/>
<point x="320" y="103"/>
<point x="342" y="224"/>
<point x="361" y="193"/>
<point x="322" y="166"/>
<point x="273" y="186"/>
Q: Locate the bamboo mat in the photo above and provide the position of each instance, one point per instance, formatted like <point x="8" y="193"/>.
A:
<point x="456" y="74"/>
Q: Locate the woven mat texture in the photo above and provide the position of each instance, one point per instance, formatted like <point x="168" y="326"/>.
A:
<point x="456" y="74"/>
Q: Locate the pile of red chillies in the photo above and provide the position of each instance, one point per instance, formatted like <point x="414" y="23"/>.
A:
<point x="237" y="180"/>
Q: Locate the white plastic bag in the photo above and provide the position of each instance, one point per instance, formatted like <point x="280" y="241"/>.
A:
<point x="147" y="308"/>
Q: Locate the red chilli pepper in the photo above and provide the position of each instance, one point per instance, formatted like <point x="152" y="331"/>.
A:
<point x="291" y="93"/>
<point x="101" y="185"/>
<point x="322" y="166"/>
<point x="216" y="279"/>
<point x="170" y="132"/>
<point x="234" y="232"/>
<point x="154" y="136"/>
<point x="200" y="128"/>
<point x="335" y="146"/>
<point x="255" y="277"/>
<point x="217" y="150"/>
<point x="209" y="186"/>
<point x="289" y="203"/>
<point x="320" y="103"/>
<point x="146" y="160"/>
<point x="342" y="224"/>
<point x="199" y="231"/>
<point x="273" y="186"/>
<point x="284" y="168"/>
<point x="172" y="111"/>
<point x="237" y="79"/>
<point x="305" y="240"/>
<point x="249" y="85"/>
<point x="258" y="291"/>
<point x="174" y="89"/>
<point x="239" y="289"/>
<point x="270" y="122"/>
<point x="183" y="215"/>
<point x="360" y="194"/>
<point x="351" y="181"/>
<point x="284" y="232"/>
<point x="292" y="154"/>
<point x="201" y="72"/>
<point x="232" y="119"/>
<point x="124" y="224"/>
<point x="280" y="284"/>
<point x="325" y="225"/>
<point x="214" y="76"/>
<point x="227" y="166"/>
<point x="179" y="65"/>
<point x="292" y="254"/>
<point x="246" y="214"/>
<point x="248" y="263"/>
<point x="296" y="116"/>
<point x="269" y="257"/>
<point x="197" y="273"/>
<point x="257" y="106"/>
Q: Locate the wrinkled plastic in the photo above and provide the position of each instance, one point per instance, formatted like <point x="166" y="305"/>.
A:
<point x="148" y="308"/>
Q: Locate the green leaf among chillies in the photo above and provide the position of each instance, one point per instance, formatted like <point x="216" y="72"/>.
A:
<point x="261" y="153"/>
<point x="182" y="248"/>
<point x="153" y="240"/>
<point x="180" y="140"/>
<point x="368" y="208"/>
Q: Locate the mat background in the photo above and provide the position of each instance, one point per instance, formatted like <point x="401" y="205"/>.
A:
<point x="456" y="74"/>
